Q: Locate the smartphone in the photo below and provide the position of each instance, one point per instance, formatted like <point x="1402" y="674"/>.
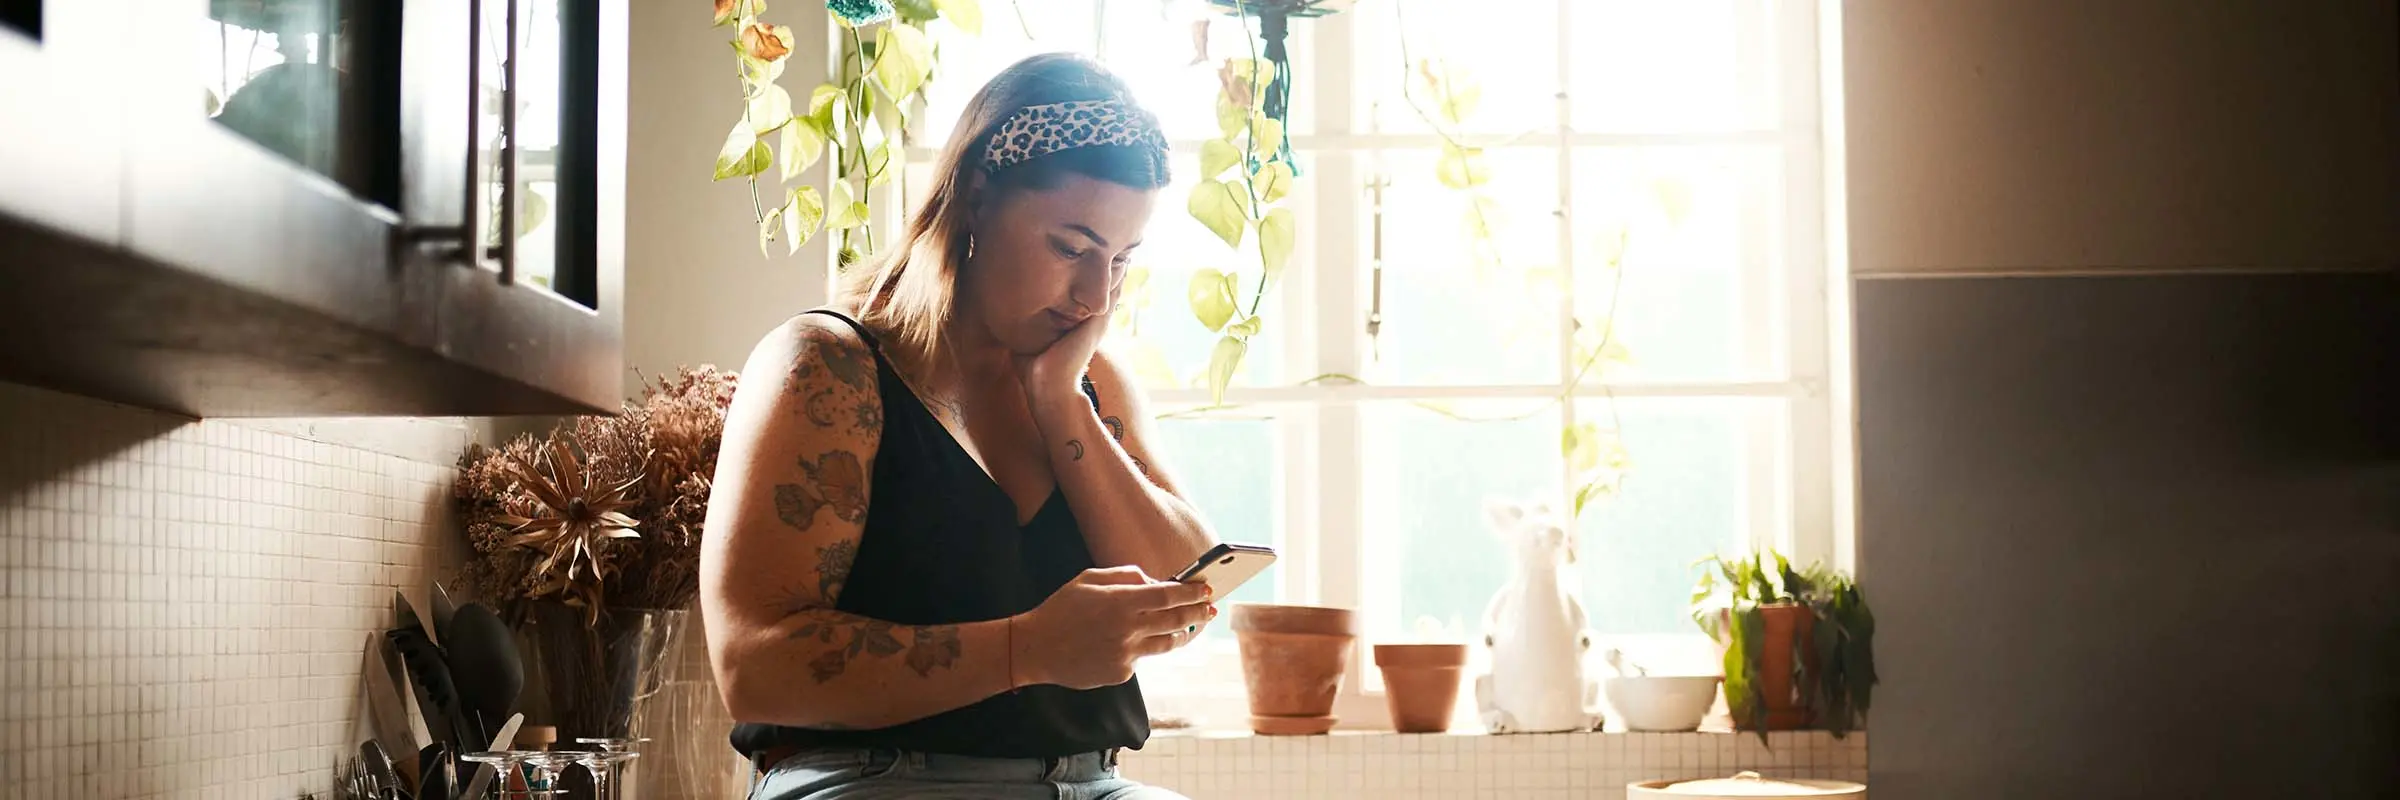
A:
<point x="1227" y="566"/>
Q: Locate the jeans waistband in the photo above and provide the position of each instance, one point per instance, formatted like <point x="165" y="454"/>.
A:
<point x="1077" y="768"/>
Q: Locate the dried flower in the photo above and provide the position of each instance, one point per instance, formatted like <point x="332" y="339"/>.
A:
<point x="603" y="511"/>
<point x="578" y="511"/>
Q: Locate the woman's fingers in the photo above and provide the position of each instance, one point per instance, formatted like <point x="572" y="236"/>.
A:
<point x="1167" y="594"/>
<point x="1179" y="619"/>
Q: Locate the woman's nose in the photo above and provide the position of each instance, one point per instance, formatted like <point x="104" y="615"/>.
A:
<point x="1090" y="290"/>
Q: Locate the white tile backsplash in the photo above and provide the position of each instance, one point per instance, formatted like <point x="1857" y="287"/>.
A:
<point x="184" y="601"/>
<point x="1389" y="766"/>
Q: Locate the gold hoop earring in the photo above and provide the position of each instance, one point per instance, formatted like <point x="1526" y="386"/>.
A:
<point x="970" y="245"/>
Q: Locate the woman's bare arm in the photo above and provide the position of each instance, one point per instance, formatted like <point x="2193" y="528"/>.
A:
<point x="1128" y="506"/>
<point x="784" y="522"/>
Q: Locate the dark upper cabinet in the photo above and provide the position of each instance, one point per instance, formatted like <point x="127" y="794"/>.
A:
<point x="314" y="207"/>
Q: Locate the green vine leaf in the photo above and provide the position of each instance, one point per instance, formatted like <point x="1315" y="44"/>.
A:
<point x="1218" y="205"/>
<point x="848" y="211"/>
<point x="768" y="227"/>
<point x="1462" y="167"/>
<point x="824" y="104"/>
<point x="1231" y="117"/>
<point x="1217" y="156"/>
<point x="1277" y="234"/>
<point x="1211" y="296"/>
<point x="1449" y="88"/>
<point x="1674" y="198"/>
<point x="903" y="58"/>
<point x="1266" y="136"/>
<point x="1273" y="181"/>
<point x="743" y="154"/>
<point x="802" y="146"/>
<point x="770" y="109"/>
<point x="1246" y="328"/>
<point x="966" y="14"/>
<point x="1222" y="362"/>
<point x="879" y="161"/>
<point x="802" y="211"/>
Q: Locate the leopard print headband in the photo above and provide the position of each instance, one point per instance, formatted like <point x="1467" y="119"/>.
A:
<point x="1036" y="131"/>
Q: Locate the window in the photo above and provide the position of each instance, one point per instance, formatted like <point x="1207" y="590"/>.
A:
<point x="1657" y="170"/>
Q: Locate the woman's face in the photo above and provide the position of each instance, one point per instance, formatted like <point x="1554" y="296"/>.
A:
<point x="1047" y="259"/>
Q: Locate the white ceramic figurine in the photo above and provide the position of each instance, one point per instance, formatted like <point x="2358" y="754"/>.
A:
<point x="1535" y="627"/>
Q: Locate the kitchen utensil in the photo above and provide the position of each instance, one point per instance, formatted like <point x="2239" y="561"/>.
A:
<point x="1623" y="666"/>
<point x="436" y="782"/>
<point x="443" y="612"/>
<point x="1745" y="785"/>
<point x="483" y="768"/>
<point x="379" y="768"/>
<point x="437" y="696"/>
<point x="485" y="667"/>
<point x="403" y="614"/>
<point x="1661" y="702"/>
<point x="387" y="709"/>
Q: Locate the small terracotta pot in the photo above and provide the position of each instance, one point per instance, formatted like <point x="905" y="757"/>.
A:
<point x="1783" y="624"/>
<point x="1420" y="684"/>
<point x="1293" y="658"/>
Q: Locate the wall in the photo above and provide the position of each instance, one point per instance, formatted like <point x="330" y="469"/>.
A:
<point x="2130" y="521"/>
<point x="697" y="288"/>
<point x="2072" y="135"/>
<point x="185" y="602"/>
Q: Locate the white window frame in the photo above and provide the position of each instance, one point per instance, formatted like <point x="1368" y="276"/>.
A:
<point x="1799" y="495"/>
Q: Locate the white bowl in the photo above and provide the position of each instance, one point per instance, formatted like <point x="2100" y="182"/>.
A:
<point x="1661" y="702"/>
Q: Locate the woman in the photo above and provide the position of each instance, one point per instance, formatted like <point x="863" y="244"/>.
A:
<point x="933" y="549"/>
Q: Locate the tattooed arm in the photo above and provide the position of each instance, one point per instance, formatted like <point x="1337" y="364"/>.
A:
<point x="784" y="521"/>
<point x="1128" y="507"/>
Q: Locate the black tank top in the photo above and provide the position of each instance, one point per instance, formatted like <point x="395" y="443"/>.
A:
<point x="942" y="546"/>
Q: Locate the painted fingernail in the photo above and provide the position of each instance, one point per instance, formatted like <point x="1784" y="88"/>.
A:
<point x="1212" y="612"/>
<point x="1208" y="592"/>
<point x="1191" y="629"/>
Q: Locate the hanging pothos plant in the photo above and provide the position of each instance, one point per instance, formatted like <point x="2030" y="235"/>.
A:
<point x="860" y="118"/>
<point x="1248" y="202"/>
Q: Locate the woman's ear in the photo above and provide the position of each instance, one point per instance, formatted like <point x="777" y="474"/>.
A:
<point x="972" y="193"/>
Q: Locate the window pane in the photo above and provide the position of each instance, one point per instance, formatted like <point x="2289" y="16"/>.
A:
<point x="1429" y="553"/>
<point x="1161" y="340"/>
<point x="968" y="61"/>
<point x="1681" y="66"/>
<point x="1452" y="314"/>
<point x="1702" y="293"/>
<point x="1499" y="51"/>
<point x="1229" y="469"/>
<point x="1702" y="469"/>
<point x="1150" y="45"/>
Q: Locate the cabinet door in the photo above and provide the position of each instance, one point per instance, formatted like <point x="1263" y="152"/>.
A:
<point x="542" y="296"/>
<point x="60" y="166"/>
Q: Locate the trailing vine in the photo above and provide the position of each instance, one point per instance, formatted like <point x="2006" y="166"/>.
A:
<point x="887" y="60"/>
<point x="1251" y="145"/>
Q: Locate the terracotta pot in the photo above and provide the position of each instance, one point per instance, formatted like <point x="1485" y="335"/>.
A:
<point x="1420" y="684"/>
<point x="1293" y="658"/>
<point x="1783" y="623"/>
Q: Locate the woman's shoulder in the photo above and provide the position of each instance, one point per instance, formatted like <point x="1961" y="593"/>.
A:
<point x="826" y="336"/>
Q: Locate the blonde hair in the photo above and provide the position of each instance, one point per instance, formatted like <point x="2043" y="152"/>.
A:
<point x="911" y="291"/>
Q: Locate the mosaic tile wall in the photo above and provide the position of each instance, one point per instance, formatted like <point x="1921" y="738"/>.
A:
<point x="184" y="602"/>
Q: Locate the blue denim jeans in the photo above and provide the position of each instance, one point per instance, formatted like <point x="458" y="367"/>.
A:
<point x="884" y="774"/>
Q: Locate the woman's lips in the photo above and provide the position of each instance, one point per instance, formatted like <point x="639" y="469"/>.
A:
<point x="1062" y="322"/>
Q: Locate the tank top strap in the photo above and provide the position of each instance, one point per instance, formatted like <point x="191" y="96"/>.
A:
<point x="864" y="334"/>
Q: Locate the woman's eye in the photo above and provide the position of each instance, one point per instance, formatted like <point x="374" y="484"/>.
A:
<point x="1068" y="253"/>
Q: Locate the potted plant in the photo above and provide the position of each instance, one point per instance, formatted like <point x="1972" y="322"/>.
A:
<point x="1798" y="646"/>
<point x="1421" y="678"/>
<point x="1293" y="659"/>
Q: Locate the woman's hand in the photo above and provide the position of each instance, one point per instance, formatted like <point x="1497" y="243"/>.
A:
<point x="1090" y="632"/>
<point x="1060" y="368"/>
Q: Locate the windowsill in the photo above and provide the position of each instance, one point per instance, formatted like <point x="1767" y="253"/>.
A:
<point x="1715" y="725"/>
